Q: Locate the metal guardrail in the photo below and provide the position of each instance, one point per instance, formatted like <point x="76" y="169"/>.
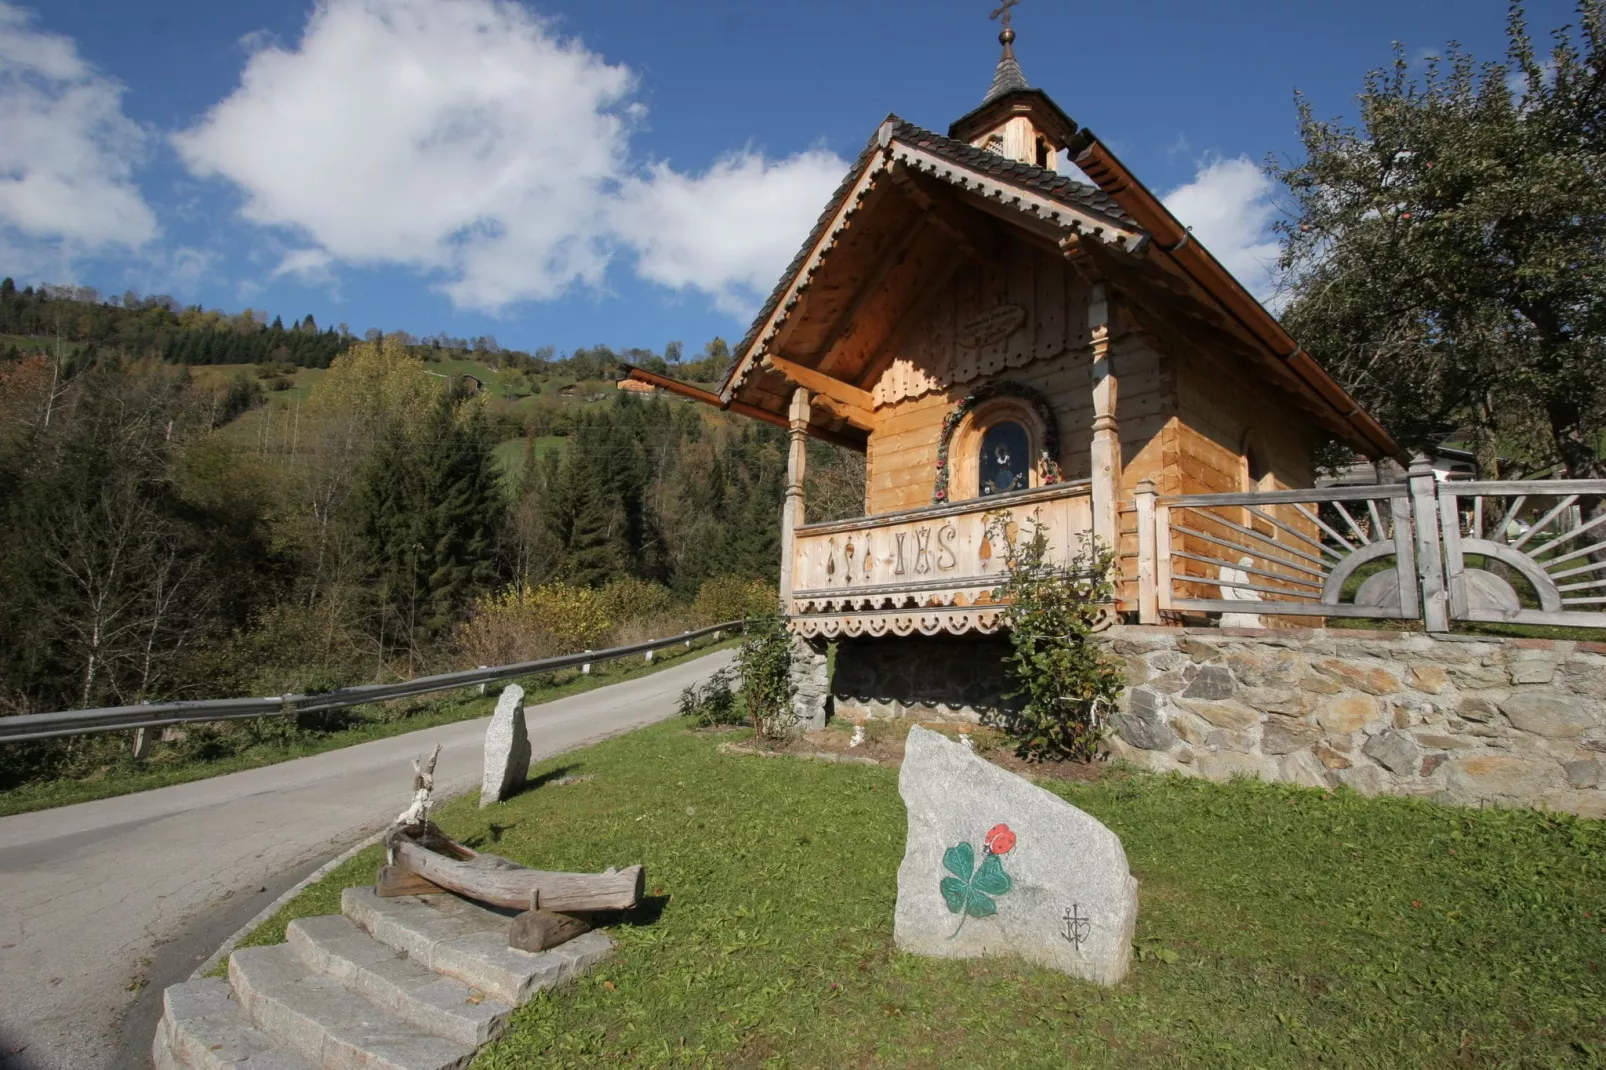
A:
<point x="155" y="715"/>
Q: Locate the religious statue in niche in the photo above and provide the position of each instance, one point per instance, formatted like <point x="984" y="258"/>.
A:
<point x="1004" y="465"/>
<point x="1048" y="463"/>
<point x="970" y="893"/>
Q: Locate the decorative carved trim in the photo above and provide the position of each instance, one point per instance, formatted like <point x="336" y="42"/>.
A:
<point x="1051" y="472"/>
<point x="991" y="326"/>
<point x="969" y="621"/>
<point x="804" y="278"/>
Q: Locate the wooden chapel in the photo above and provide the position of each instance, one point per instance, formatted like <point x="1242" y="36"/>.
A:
<point x="995" y="335"/>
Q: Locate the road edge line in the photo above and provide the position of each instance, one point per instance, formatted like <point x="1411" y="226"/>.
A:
<point x="273" y="908"/>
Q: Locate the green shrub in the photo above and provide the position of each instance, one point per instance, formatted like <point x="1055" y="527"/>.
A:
<point x="765" y="663"/>
<point x="712" y="704"/>
<point x="631" y="599"/>
<point x="733" y="598"/>
<point x="1064" y="684"/>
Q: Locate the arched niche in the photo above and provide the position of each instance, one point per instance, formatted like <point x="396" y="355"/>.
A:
<point x="990" y="417"/>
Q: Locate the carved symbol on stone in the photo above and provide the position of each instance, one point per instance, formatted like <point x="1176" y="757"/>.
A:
<point x="945" y="543"/>
<point x="992" y="326"/>
<point x="898" y="571"/>
<point x="1076" y="926"/>
<point x="922" y="551"/>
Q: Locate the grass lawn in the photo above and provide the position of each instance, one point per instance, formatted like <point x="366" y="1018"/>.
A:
<point x="511" y="453"/>
<point x="371" y="722"/>
<point x="1278" y="927"/>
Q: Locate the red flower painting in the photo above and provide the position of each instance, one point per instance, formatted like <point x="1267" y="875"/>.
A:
<point x="1000" y="840"/>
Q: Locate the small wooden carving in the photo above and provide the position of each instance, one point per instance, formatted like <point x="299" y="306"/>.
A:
<point x="991" y="326"/>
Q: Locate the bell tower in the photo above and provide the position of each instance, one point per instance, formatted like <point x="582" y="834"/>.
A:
<point x="1014" y="120"/>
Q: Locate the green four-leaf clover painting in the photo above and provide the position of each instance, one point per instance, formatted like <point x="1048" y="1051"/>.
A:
<point x="971" y="890"/>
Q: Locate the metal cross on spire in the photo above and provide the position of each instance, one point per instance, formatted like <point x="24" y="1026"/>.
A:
<point x="1003" y="11"/>
<point x="1008" y="77"/>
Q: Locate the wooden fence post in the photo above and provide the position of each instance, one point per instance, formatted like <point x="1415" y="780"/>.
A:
<point x="1148" y="595"/>
<point x="1429" y="560"/>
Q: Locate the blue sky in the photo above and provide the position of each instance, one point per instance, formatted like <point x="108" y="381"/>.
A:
<point x="621" y="171"/>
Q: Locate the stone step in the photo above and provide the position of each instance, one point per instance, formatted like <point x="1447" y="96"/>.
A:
<point x="203" y="1028"/>
<point x="334" y="946"/>
<point x="459" y="939"/>
<point x="321" y="1020"/>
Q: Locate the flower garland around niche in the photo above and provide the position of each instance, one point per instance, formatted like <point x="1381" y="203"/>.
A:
<point x="1049" y="460"/>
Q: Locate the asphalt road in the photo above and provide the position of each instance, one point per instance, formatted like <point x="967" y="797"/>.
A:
<point x="105" y="903"/>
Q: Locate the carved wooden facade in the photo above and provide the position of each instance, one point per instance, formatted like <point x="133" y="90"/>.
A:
<point x="1006" y="342"/>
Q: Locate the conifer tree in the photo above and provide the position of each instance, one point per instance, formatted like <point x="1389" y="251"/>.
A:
<point x="427" y="510"/>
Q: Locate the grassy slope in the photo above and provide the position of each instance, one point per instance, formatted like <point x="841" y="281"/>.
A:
<point x="1278" y="927"/>
<point x="373" y="723"/>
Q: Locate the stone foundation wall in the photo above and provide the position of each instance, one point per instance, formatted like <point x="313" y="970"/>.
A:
<point x="940" y="677"/>
<point x="1459" y="719"/>
<point x="810" y="673"/>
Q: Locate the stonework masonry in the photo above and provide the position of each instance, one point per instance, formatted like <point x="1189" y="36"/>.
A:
<point x="1469" y="720"/>
<point x="810" y="674"/>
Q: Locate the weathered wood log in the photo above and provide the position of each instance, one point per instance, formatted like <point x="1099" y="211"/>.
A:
<point x="540" y="930"/>
<point x="395" y="880"/>
<point x="497" y="881"/>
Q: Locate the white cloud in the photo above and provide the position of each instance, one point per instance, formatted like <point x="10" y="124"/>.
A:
<point x="1229" y="208"/>
<point x="309" y="264"/>
<point x="467" y="140"/>
<point x="67" y="152"/>
<point x="729" y="231"/>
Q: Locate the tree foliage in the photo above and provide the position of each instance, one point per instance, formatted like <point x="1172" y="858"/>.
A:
<point x="1446" y="259"/>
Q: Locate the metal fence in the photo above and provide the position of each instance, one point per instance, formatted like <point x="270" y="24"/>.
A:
<point x="1522" y="552"/>
<point x="156" y="715"/>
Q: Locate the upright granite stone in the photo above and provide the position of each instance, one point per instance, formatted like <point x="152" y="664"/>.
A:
<point x="997" y="866"/>
<point x="507" y="748"/>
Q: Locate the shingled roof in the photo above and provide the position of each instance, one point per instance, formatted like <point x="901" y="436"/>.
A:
<point x="1039" y="180"/>
<point x="1007" y="78"/>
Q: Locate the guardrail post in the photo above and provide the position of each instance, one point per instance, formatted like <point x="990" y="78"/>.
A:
<point x="1429" y="560"/>
<point x="649" y="657"/>
<point x="585" y="670"/>
<point x="482" y="685"/>
<point x="142" y="744"/>
<point x="1148" y="594"/>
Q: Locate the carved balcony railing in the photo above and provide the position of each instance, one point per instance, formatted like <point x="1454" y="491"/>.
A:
<point x="925" y="570"/>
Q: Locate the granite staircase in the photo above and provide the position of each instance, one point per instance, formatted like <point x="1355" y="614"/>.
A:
<point x="405" y="983"/>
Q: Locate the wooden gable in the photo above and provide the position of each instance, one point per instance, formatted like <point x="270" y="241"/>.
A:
<point x="920" y="213"/>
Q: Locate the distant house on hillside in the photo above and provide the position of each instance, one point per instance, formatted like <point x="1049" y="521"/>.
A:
<point x="996" y="335"/>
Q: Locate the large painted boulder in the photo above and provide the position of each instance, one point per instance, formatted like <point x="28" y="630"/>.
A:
<point x="995" y="865"/>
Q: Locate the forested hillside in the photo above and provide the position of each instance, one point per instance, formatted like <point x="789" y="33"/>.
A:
<point x="199" y="504"/>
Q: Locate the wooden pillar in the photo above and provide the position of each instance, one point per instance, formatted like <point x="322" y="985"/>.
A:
<point x="792" y="505"/>
<point x="1148" y="591"/>
<point x="1106" y="460"/>
<point x="1429" y="563"/>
